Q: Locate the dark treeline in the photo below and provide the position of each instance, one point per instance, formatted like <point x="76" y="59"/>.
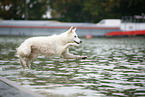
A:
<point x="70" y="10"/>
<point x="23" y="9"/>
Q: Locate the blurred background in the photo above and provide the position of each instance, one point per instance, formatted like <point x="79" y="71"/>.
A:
<point x="93" y="18"/>
<point x="70" y="10"/>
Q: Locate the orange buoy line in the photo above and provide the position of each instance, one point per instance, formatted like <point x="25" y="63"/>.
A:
<point x="126" y="33"/>
<point x="89" y="36"/>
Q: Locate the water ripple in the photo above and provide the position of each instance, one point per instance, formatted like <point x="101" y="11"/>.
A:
<point x="115" y="67"/>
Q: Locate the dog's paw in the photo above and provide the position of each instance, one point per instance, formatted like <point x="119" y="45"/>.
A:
<point x="84" y="57"/>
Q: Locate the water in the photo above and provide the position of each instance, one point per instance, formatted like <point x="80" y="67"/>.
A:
<point x="115" y="67"/>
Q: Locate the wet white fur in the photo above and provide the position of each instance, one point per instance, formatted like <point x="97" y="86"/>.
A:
<point x="55" y="45"/>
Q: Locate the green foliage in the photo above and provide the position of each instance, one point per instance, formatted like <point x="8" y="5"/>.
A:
<point x="23" y="9"/>
<point x="67" y="10"/>
<point x="95" y="10"/>
<point x="71" y="10"/>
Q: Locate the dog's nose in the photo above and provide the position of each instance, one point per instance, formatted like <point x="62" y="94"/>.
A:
<point x="80" y="41"/>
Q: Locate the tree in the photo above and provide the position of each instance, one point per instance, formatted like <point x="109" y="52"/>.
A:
<point x="36" y="9"/>
<point x="82" y="10"/>
<point x="9" y="8"/>
<point x="95" y="10"/>
<point x="23" y="9"/>
<point x="71" y="10"/>
<point x="67" y="10"/>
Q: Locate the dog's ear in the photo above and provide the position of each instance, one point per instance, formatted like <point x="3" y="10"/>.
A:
<point x="70" y="30"/>
<point x="74" y="29"/>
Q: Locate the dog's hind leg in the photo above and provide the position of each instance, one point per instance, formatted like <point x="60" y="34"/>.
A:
<point x="22" y="62"/>
<point x="29" y="63"/>
<point x="32" y="56"/>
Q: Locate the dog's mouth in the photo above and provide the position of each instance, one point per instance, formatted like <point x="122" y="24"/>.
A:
<point x="77" y="42"/>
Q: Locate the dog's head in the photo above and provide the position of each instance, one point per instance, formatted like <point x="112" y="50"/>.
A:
<point x="73" y="37"/>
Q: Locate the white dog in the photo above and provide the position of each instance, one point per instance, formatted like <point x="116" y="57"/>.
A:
<point x="55" y="45"/>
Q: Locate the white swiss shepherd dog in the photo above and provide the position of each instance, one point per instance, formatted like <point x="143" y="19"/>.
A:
<point x="55" y="45"/>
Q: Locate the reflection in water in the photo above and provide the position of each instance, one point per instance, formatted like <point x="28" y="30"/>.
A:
<point x="115" y="67"/>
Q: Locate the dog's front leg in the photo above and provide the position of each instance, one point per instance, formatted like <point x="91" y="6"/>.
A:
<point x="67" y="55"/>
<point x="69" y="44"/>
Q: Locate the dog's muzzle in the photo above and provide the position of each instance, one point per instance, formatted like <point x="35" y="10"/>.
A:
<point x="78" y="42"/>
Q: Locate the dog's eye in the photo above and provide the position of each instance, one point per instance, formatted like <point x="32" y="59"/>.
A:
<point x="75" y="36"/>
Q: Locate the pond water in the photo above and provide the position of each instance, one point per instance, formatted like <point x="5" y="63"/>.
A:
<point x="115" y="67"/>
